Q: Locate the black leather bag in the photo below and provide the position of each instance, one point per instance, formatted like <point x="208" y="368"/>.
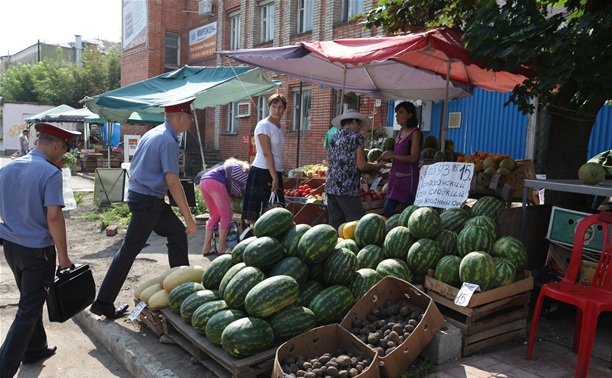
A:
<point x="70" y="292"/>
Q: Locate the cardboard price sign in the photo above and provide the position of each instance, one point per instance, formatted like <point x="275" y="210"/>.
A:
<point x="444" y="185"/>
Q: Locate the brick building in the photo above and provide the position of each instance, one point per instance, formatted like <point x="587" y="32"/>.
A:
<point x="161" y="36"/>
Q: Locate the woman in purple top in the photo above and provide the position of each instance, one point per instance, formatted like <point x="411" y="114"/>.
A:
<point x="218" y="186"/>
<point x="406" y="154"/>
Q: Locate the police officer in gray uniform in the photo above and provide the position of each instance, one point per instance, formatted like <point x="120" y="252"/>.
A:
<point x="32" y="228"/>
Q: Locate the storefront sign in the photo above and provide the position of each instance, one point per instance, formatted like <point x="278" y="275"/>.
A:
<point x="203" y="41"/>
<point x="444" y="185"/>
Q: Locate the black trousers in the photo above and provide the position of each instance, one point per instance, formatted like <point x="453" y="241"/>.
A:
<point x="149" y="214"/>
<point x="31" y="267"/>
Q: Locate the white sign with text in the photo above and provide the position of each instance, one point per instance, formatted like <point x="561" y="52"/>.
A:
<point x="444" y="184"/>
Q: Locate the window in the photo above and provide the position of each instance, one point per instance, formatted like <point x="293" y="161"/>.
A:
<point x="351" y="8"/>
<point x="262" y="107"/>
<point x="232" y="117"/>
<point x="301" y="112"/>
<point x="304" y="13"/>
<point x="235" y="31"/>
<point x="267" y="22"/>
<point x="172" y="52"/>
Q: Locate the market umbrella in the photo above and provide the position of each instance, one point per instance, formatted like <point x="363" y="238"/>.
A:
<point x="58" y="109"/>
<point x="74" y="115"/>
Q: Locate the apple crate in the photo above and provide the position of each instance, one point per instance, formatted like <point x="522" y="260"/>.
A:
<point x="151" y="318"/>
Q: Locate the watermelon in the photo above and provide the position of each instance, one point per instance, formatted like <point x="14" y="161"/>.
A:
<point x="263" y="253"/>
<point x="274" y="223"/>
<point x="195" y="300"/>
<point x="227" y="277"/>
<point x="318" y="243"/>
<point x="431" y="141"/>
<point x="331" y="304"/>
<point x="370" y="230"/>
<point x="424" y="222"/>
<point x="392" y="222"/>
<point x="238" y="250"/>
<point x="369" y="256"/>
<point x="363" y="281"/>
<point x="478" y="268"/>
<point x="182" y="291"/>
<point x="428" y="153"/>
<point x="397" y="242"/>
<point x="216" y="270"/>
<point x="423" y="255"/>
<point x="203" y="313"/>
<point x="483" y="221"/>
<point x="271" y="295"/>
<point x="448" y="242"/>
<point x="317" y="272"/>
<point x="447" y="270"/>
<point x="247" y="336"/>
<point x="292" y="321"/>
<point x="217" y="323"/>
<point x="405" y="215"/>
<point x="292" y="237"/>
<point x="340" y="267"/>
<point x="505" y="273"/>
<point x="395" y="268"/>
<point x="291" y="266"/>
<point x="511" y="249"/>
<point x="308" y="291"/>
<point x="487" y="206"/>
<point x="474" y="238"/>
<point x="454" y="219"/>
<point x="348" y="244"/>
<point x="388" y="144"/>
<point x="238" y="287"/>
<point x="374" y="154"/>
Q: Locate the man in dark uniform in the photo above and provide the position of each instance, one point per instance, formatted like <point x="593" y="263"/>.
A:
<point x="32" y="229"/>
<point x="154" y="170"/>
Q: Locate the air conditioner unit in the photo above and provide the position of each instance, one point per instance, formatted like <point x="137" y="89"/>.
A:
<point x="454" y="120"/>
<point x="205" y="8"/>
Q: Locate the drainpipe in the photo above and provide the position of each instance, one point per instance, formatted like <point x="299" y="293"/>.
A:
<point x="78" y="47"/>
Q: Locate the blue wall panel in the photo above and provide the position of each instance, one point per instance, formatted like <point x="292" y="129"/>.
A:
<point x="601" y="135"/>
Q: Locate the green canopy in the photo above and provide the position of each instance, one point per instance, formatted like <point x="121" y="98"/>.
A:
<point x="134" y="119"/>
<point x="58" y="109"/>
<point x="207" y="86"/>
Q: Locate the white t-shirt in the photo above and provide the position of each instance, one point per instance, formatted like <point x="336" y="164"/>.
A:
<point x="23" y="139"/>
<point x="277" y="141"/>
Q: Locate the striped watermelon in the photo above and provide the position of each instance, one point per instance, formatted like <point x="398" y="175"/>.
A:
<point x="340" y="267"/>
<point x="478" y="268"/>
<point x="388" y="144"/>
<point x="454" y="219"/>
<point x="448" y="242"/>
<point x="263" y="253"/>
<point x="348" y="244"/>
<point x="317" y="272"/>
<point x="423" y="255"/>
<point x="397" y="242"/>
<point x="424" y="222"/>
<point x="274" y="223"/>
<point x="238" y="250"/>
<point x="474" y="238"/>
<point x="291" y="266"/>
<point x="505" y="273"/>
<point x="405" y="215"/>
<point x="369" y="256"/>
<point x="370" y="230"/>
<point x="395" y="268"/>
<point x="363" y="281"/>
<point x="195" y="300"/>
<point x="216" y="270"/>
<point x="217" y="323"/>
<point x="238" y="287"/>
<point x="318" y="243"/>
<point x="292" y="321"/>
<point x="392" y="222"/>
<point x="512" y="249"/>
<point x="227" y="277"/>
<point x="181" y="292"/>
<point x="203" y="313"/>
<point x="308" y="291"/>
<point x="331" y="304"/>
<point x="247" y="336"/>
<point x="483" y="221"/>
<point x="292" y="237"/>
<point x="447" y="270"/>
<point x="271" y="295"/>
<point x="487" y="206"/>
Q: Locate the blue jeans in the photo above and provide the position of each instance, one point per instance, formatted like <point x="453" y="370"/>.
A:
<point x="392" y="206"/>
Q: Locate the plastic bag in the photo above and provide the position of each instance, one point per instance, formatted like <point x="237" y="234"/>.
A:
<point x="272" y="203"/>
<point x="230" y="241"/>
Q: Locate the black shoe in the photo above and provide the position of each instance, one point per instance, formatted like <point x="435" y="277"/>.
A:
<point x="108" y="310"/>
<point x="32" y="357"/>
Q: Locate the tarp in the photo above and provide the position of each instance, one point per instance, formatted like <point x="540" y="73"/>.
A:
<point x="134" y="119"/>
<point x="75" y="115"/>
<point x="207" y="86"/>
<point x="58" y="109"/>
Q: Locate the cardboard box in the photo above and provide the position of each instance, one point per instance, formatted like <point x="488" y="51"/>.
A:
<point x="558" y="260"/>
<point x="562" y="226"/>
<point x="394" y="289"/>
<point x="325" y="339"/>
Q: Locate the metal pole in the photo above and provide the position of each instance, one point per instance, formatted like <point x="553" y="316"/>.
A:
<point x="445" y="109"/>
<point x="199" y="140"/>
<point x="299" y="126"/>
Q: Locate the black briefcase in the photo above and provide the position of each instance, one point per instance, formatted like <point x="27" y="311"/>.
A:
<point x="70" y="292"/>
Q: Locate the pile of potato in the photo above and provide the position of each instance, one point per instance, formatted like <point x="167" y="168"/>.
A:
<point x="340" y="364"/>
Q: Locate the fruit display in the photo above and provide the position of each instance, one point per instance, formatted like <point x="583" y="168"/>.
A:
<point x="591" y="173"/>
<point x="311" y="170"/>
<point x="490" y="163"/>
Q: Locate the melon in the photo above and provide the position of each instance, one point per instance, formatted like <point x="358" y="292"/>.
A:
<point x="591" y="173"/>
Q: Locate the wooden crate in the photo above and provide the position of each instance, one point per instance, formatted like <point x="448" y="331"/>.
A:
<point x="151" y="318"/>
<point x="491" y="317"/>
<point x="213" y="356"/>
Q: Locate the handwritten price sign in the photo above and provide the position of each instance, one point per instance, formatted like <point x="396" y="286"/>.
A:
<point x="444" y="185"/>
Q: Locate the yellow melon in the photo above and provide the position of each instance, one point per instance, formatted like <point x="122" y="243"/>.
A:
<point x="348" y="231"/>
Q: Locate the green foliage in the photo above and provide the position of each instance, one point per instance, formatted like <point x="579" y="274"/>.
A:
<point x="200" y="207"/>
<point x="70" y="160"/>
<point x="113" y="214"/>
<point x="79" y="197"/>
<point x="421" y="368"/>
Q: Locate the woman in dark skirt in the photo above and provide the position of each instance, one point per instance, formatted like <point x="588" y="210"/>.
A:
<point x="265" y="175"/>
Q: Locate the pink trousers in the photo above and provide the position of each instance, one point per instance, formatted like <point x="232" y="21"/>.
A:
<point x="218" y="203"/>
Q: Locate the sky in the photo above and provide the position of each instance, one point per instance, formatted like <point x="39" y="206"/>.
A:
<point x="24" y="22"/>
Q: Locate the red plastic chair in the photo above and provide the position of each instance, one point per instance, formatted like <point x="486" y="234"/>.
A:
<point x="590" y="300"/>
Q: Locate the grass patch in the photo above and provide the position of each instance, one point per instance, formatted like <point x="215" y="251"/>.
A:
<point x="114" y="214"/>
<point x="421" y="368"/>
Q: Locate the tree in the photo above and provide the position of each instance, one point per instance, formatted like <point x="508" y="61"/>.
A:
<point x="566" y="43"/>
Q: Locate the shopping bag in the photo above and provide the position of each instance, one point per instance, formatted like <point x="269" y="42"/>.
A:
<point x="272" y="203"/>
<point x="69" y="292"/>
<point x="231" y="240"/>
